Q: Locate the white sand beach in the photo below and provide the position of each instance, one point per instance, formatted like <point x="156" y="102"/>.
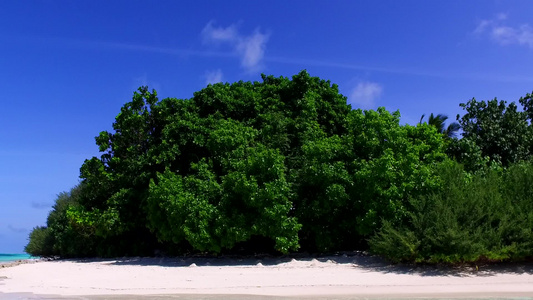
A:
<point x="339" y="276"/>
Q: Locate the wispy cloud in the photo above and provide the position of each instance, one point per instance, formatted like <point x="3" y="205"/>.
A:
<point x="402" y="71"/>
<point x="250" y="48"/>
<point x="364" y="95"/>
<point x="501" y="33"/>
<point x="41" y="205"/>
<point x="16" y="229"/>
<point x="100" y="45"/>
<point x="211" y="34"/>
<point x="214" y="76"/>
<point x="304" y="63"/>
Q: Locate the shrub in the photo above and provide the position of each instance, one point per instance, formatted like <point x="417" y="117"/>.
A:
<point x="485" y="216"/>
<point x="40" y="242"/>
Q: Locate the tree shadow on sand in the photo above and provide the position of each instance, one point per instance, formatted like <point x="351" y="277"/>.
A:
<point x="360" y="260"/>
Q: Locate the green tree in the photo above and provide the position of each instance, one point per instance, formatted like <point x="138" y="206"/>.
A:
<point x="275" y="165"/>
<point x="527" y="104"/>
<point x="392" y="164"/>
<point x="439" y="122"/>
<point x="347" y="184"/>
<point x="501" y="132"/>
<point x="40" y="242"/>
<point x="237" y="193"/>
<point x="60" y="237"/>
<point x="117" y="182"/>
<point x="209" y="145"/>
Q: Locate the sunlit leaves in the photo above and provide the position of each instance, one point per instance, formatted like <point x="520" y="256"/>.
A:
<point x="284" y="160"/>
<point x="500" y="131"/>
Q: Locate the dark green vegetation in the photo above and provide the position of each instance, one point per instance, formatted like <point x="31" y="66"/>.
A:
<point x="484" y="216"/>
<point x="286" y="165"/>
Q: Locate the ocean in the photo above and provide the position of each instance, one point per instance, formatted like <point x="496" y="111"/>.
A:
<point x="13" y="257"/>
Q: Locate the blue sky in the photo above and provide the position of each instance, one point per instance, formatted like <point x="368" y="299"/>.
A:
<point x="66" y="68"/>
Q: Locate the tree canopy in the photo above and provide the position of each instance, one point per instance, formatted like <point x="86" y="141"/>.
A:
<point x="275" y="166"/>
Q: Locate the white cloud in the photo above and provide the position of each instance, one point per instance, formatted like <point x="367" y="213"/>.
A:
<point x="364" y="95"/>
<point x="504" y="34"/>
<point x="250" y="48"/>
<point x="214" y="76"/>
<point x="219" y="34"/>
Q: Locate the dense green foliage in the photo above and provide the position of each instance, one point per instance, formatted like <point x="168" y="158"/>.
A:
<point x="483" y="209"/>
<point x="487" y="216"/>
<point x="346" y="184"/>
<point x="494" y="131"/>
<point x="287" y="165"/>
<point x="40" y="243"/>
<point x="60" y="237"/>
<point x="439" y="122"/>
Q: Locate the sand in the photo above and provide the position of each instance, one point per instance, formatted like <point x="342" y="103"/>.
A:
<point x="338" y="277"/>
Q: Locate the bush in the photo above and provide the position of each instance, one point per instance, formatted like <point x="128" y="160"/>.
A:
<point x="40" y="242"/>
<point x="485" y="216"/>
<point x="59" y="237"/>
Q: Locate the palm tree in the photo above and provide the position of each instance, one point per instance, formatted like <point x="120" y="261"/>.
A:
<point x="452" y="129"/>
<point x="438" y="122"/>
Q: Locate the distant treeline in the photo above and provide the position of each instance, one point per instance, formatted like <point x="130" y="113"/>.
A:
<point x="286" y="165"/>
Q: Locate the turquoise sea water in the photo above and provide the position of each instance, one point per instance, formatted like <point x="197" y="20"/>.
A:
<point x="13" y="257"/>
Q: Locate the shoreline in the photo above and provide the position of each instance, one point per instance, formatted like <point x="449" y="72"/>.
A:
<point x="331" y="277"/>
<point x="8" y="264"/>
